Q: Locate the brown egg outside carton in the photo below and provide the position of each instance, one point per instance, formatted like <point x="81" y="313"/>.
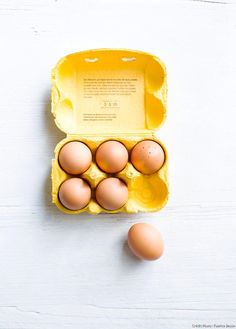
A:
<point x="145" y="241"/>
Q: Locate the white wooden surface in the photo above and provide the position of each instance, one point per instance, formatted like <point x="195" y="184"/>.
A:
<point x="58" y="271"/>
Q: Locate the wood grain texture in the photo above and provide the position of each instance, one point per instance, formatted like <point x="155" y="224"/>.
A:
<point x="59" y="271"/>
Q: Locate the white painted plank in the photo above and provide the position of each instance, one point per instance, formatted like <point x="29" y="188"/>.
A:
<point x="85" y="262"/>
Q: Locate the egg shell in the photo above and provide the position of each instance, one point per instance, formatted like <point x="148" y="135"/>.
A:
<point x="145" y="241"/>
<point x="112" y="193"/>
<point x="147" y="157"/>
<point x="112" y="156"/>
<point x="74" y="193"/>
<point x="75" y="157"/>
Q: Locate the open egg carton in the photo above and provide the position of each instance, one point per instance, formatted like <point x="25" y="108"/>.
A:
<point x="106" y="94"/>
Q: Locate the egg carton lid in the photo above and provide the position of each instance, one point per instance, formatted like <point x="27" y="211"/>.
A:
<point x="109" y="91"/>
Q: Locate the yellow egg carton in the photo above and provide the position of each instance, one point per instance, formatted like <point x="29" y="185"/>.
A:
<point x="110" y="94"/>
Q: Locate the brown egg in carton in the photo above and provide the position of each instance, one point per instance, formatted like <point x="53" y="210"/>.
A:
<point x="90" y="119"/>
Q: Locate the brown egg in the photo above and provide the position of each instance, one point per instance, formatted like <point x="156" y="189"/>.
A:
<point x="147" y="157"/>
<point x="75" y="158"/>
<point x="112" y="156"/>
<point x="145" y="241"/>
<point x="112" y="193"/>
<point x="74" y="193"/>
